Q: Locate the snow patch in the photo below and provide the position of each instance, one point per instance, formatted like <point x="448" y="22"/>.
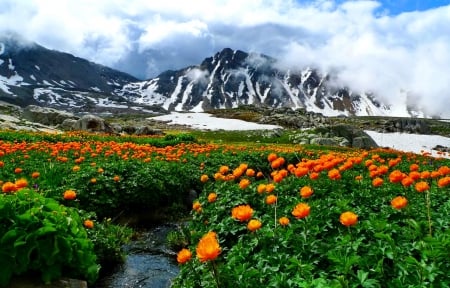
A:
<point x="209" y="122"/>
<point x="2" y="48"/>
<point x="37" y="67"/>
<point x="416" y="143"/>
<point x="10" y="65"/>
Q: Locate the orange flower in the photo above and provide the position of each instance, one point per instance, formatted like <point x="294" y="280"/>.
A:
<point x="21" y="183"/>
<point x="93" y="180"/>
<point x="261" y="188"/>
<point x="271" y="199"/>
<point x="270" y="188"/>
<point x="399" y="202"/>
<point x="396" y="176"/>
<point x="242" y="212"/>
<point x="359" y="178"/>
<point x="414" y="167"/>
<point x="254" y="225"/>
<point x="244" y="183"/>
<point x="18" y="170"/>
<point x="334" y="174"/>
<point x="250" y="172"/>
<point x="116" y="178"/>
<point x="284" y="221"/>
<point x="76" y="168"/>
<point x="69" y="195"/>
<point x="414" y="175"/>
<point x="35" y="175"/>
<point x="259" y="174"/>
<point x="9" y="187"/>
<point x="100" y="170"/>
<point x="184" y="256"/>
<point x="301" y="210"/>
<point x="204" y="178"/>
<point x="348" y="218"/>
<point x="445" y="181"/>
<point x="224" y="169"/>
<point x="271" y="157"/>
<point x="301" y="171"/>
<point x="212" y="197"/>
<point x="208" y="248"/>
<point x="422" y="186"/>
<point x="88" y="224"/>
<point x="196" y="206"/>
<point x="314" y="176"/>
<point x="407" y="181"/>
<point x="306" y="191"/>
<point x="377" y="182"/>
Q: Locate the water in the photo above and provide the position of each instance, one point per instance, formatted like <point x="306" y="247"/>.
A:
<point x="149" y="263"/>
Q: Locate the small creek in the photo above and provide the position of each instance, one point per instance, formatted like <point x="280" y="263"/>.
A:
<point x="149" y="263"/>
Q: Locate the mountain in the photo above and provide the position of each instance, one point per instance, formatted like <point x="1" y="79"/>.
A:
<point x="32" y="74"/>
<point x="231" y="78"/>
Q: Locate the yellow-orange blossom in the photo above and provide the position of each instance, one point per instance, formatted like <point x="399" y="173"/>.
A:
<point x="208" y="247"/>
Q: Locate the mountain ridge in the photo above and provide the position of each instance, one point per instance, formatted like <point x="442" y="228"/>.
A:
<point x="33" y="74"/>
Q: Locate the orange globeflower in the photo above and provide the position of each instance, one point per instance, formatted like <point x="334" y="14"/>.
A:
<point x="244" y="183"/>
<point x="306" y="191"/>
<point x="196" y="206"/>
<point x="348" y="218"/>
<point x="9" y="187"/>
<point x="21" y="183"/>
<point x="76" y="168"/>
<point x="407" y="181"/>
<point x="35" y="175"/>
<point x="334" y="174"/>
<point x="204" y="178"/>
<point x="69" y="195"/>
<point x="422" y="186"/>
<point x="301" y="210"/>
<point x="399" y="202"/>
<point x="212" y="197"/>
<point x="184" y="256"/>
<point x="444" y="182"/>
<point x="414" y="167"/>
<point x="254" y="225"/>
<point x="271" y="157"/>
<point x="284" y="221"/>
<point x="208" y="248"/>
<point x="224" y="169"/>
<point x="396" y="176"/>
<point x="88" y="224"/>
<point x="271" y="199"/>
<point x="242" y="212"/>
<point x="116" y="178"/>
<point x="314" y="176"/>
<point x="250" y="173"/>
<point x="261" y="188"/>
<point x="93" y="180"/>
<point x="18" y="170"/>
<point x="270" y="188"/>
<point x="377" y="182"/>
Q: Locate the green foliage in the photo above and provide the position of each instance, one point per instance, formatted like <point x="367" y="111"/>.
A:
<point x="39" y="234"/>
<point x="386" y="248"/>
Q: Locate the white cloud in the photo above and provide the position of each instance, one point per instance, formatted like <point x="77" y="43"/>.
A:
<point x="370" y="49"/>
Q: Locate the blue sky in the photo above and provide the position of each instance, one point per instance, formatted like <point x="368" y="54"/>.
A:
<point x="397" y="49"/>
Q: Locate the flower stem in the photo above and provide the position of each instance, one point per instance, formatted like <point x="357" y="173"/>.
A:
<point x="215" y="274"/>
<point x="427" y="198"/>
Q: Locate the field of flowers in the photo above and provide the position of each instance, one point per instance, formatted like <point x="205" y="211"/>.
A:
<point x="322" y="219"/>
<point x="266" y="215"/>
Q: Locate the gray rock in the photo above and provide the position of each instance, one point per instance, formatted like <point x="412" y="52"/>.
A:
<point x="46" y="116"/>
<point x="92" y="123"/>
<point x="146" y="130"/>
<point x="324" y="141"/>
<point x="364" y="142"/>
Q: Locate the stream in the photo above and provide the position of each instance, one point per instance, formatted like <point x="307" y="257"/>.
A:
<point x="149" y="263"/>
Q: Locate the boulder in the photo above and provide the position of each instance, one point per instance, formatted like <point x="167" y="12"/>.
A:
<point x="92" y="123"/>
<point x="324" y="141"/>
<point x="146" y="130"/>
<point x="46" y="116"/>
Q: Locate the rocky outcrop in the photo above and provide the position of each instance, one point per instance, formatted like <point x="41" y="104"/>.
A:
<point x="92" y="123"/>
<point x="45" y="116"/>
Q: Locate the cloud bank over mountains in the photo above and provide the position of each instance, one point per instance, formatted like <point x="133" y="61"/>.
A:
<point x="401" y="57"/>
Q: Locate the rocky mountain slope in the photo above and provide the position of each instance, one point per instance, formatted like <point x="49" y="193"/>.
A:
<point x="232" y="78"/>
<point x="32" y="74"/>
